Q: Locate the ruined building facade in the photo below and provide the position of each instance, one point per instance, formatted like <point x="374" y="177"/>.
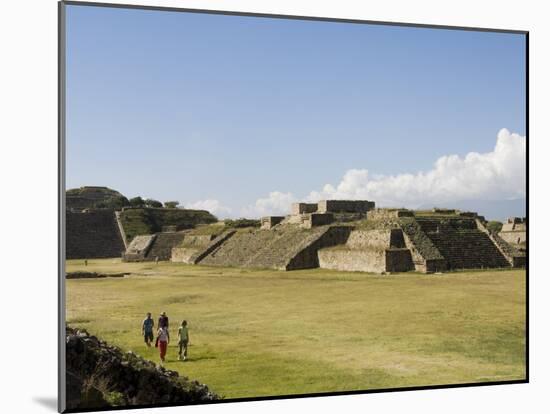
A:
<point x="353" y="235"/>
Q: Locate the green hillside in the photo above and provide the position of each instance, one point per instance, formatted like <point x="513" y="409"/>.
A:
<point x="138" y="221"/>
<point x="92" y="197"/>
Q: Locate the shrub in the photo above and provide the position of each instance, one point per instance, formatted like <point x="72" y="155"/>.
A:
<point x="153" y="203"/>
<point x="242" y="222"/>
<point x="137" y="202"/>
<point x="113" y="202"/>
<point x="115" y="398"/>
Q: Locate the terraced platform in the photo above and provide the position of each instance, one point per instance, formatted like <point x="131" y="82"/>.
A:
<point x="462" y="244"/>
<point x="286" y="248"/>
<point x="93" y="234"/>
<point x="163" y="244"/>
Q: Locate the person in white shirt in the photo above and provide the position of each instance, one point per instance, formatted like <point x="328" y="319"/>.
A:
<point x="163" y="339"/>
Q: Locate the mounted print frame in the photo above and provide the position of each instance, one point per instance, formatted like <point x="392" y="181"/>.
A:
<point x="261" y="206"/>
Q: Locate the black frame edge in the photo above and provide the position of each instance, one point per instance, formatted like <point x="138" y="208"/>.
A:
<point x="61" y="108"/>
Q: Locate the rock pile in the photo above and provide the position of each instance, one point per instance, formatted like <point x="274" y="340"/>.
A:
<point x="100" y="375"/>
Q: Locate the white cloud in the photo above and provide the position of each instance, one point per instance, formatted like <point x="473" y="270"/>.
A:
<point x="276" y="203"/>
<point x="213" y="206"/>
<point x="496" y="175"/>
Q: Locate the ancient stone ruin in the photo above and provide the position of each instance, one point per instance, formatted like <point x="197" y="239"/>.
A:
<point x="353" y="235"/>
<point x="78" y="199"/>
<point x="514" y="231"/>
<point x="348" y="235"/>
<point x="93" y="232"/>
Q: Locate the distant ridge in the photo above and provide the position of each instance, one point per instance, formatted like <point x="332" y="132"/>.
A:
<point x="88" y="196"/>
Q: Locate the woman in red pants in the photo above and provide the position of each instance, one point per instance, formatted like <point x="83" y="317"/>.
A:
<point x="163" y="339"/>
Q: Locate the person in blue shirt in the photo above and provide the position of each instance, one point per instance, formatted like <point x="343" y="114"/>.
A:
<point x="147" y="328"/>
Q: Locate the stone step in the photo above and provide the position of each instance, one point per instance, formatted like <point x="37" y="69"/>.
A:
<point x="467" y="249"/>
<point x="93" y="235"/>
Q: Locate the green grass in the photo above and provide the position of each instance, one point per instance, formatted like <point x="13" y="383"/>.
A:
<point x="262" y="332"/>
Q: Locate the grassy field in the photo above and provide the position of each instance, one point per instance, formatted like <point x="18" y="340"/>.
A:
<point x="260" y="332"/>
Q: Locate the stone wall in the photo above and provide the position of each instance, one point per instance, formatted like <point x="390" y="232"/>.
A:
<point x="388" y="213"/>
<point x="375" y="251"/>
<point x="183" y="254"/>
<point x="514" y="237"/>
<point x="101" y="376"/>
<point x="152" y="247"/>
<point x="303" y="208"/>
<point x="344" y="206"/>
<point x="514" y="231"/>
<point x="315" y="219"/>
<point x="353" y="260"/>
<point x="93" y="234"/>
<point x="138" y="248"/>
<point x="376" y="239"/>
<point x="269" y="222"/>
<point x="306" y="253"/>
<point x="121" y="229"/>
<point x="191" y="247"/>
<point x="399" y="260"/>
<point x="212" y="246"/>
<point x="197" y="240"/>
<point x="138" y="221"/>
<point x="436" y="210"/>
<point x="163" y="244"/>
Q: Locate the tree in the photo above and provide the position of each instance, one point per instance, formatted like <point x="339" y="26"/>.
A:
<point x="494" y="226"/>
<point x="113" y="202"/>
<point x="171" y="204"/>
<point x="137" y="202"/>
<point x="153" y="203"/>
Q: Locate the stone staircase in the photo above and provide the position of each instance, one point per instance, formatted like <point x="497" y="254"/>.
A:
<point x="163" y="244"/>
<point x="515" y="256"/>
<point x="432" y="225"/>
<point x="456" y="242"/>
<point x="425" y="255"/>
<point x="237" y="250"/>
<point x="93" y="234"/>
<point x="138" y="248"/>
<point x="466" y="248"/>
<point x="286" y="248"/>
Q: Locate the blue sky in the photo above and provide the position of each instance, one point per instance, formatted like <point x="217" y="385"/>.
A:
<point x="198" y="107"/>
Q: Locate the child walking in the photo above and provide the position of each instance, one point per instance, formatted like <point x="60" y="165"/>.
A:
<point x="183" y="338"/>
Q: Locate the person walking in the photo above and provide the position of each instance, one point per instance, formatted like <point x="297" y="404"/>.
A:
<point x="183" y="340"/>
<point x="163" y="339"/>
<point x="163" y="320"/>
<point x="147" y="327"/>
